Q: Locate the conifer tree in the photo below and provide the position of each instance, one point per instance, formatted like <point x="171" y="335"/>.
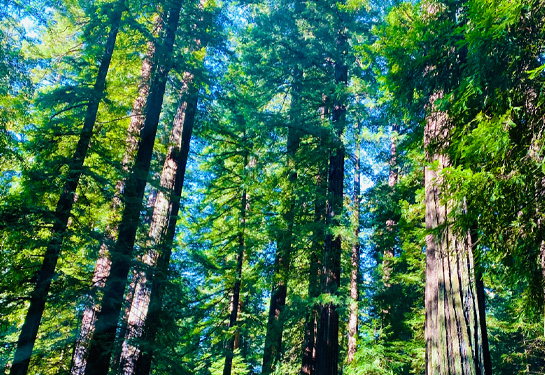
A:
<point x="355" y="254"/>
<point x="146" y="304"/>
<point x="327" y="343"/>
<point x="273" y="339"/>
<point x="102" y="267"/>
<point x="38" y="298"/>
<point x="100" y="348"/>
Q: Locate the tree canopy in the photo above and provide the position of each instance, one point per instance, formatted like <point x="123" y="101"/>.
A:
<point x="272" y="187"/>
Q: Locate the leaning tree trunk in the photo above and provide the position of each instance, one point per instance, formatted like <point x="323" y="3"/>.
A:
<point x="121" y="255"/>
<point x="275" y="324"/>
<point x="102" y="267"/>
<point x="327" y="343"/>
<point x="143" y="319"/>
<point x="235" y="298"/>
<point x="454" y="343"/>
<point x="38" y="298"/>
<point x="355" y="256"/>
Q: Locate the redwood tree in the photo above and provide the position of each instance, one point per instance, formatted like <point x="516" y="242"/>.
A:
<point x="102" y="267"/>
<point x="38" y="298"/>
<point x="100" y="349"/>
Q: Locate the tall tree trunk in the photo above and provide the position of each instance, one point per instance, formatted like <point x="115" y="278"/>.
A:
<point x="146" y="306"/>
<point x="235" y="298"/>
<point x="275" y="324"/>
<point x="102" y="267"/>
<point x="29" y="331"/>
<point x="454" y="341"/>
<point x="327" y="343"/>
<point x="390" y="223"/>
<point x="121" y="255"/>
<point x="308" y="366"/>
<point x="388" y="253"/>
<point x="122" y="328"/>
<point x="355" y="256"/>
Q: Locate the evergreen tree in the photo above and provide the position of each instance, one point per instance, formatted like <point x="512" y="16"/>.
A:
<point x="38" y="297"/>
<point x="106" y="322"/>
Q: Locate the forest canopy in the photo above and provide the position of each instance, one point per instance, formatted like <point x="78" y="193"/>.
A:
<point x="272" y="187"/>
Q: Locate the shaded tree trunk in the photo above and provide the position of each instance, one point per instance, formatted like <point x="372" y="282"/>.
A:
<point x="308" y="366"/>
<point x="355" y="256"/>
<point x="389" y="251"/>
<point x="275" y="323"/>
<point x="102" y="267"/>
<point x="327" y="343"/>
<point x="390" y="223"/>
<point x="29" y="331"/>
<point x="143" y="320"/>
<point x="454" y="340"/>
<point x="121" y="255"/>
<point x="235" y="298"/>
<point x="232" y="342"/>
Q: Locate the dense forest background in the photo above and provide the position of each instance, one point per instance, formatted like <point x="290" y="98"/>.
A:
<point x="272" y="187"/>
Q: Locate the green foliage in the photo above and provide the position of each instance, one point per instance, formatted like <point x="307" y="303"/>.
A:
<point x="266" y="68"/>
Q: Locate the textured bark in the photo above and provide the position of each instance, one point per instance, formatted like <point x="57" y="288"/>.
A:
<point x="235" y="298"/>
<point x="275" y="323"/>
<point x="146" y="306"/>
<point x="327" y="343"/>
<point x="121" y="254"/>
<point x="102" y="267"/>
<point x="454" y="341"/>
<point x="29" y="331"/>
<point x="355" y="256"/>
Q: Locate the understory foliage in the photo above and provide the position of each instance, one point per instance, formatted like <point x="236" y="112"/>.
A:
<point x="282" y="87"/>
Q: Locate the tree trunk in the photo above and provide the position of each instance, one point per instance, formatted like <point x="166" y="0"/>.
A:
<point x="308" y="366"/>
<point x="390" y="224"/>
<point x="327" y="343"/>
<point x="146" y="306"/>
<point x="454" y="341"/>
<point x="102" y="267"/>
<point x="388" y="253"/>
<point x="275" y="324"/>
<point x="121" y="255"/>
<point x="355" y="256"/>
<point x="29" y="331"/>
<point x="235" y="298"/>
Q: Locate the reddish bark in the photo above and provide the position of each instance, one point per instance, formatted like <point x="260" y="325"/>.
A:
<point x="121" y="254"/>
<point x="327" y="343"/>
<point x="453" y="328"/>
<point x="146" y="304"/>
<point x="355" y="256"/>
<point x="102" y="267"/>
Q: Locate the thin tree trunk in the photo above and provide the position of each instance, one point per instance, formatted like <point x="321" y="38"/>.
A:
<point x="355" y="256"/>
<point x="327" y="343"/>
<point x="454" y="341"/>
<point x="235" y="298"/>
<point x="146" y="306"/>
<point x="102" y="267"/>
<point x="121" y="255"/>
<point x="390" y="223"/>
<point x="388" y="253"/>
<point x="275" y="324"/>
<point x="29" y="331"/>
<point x="308" y="366"/>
